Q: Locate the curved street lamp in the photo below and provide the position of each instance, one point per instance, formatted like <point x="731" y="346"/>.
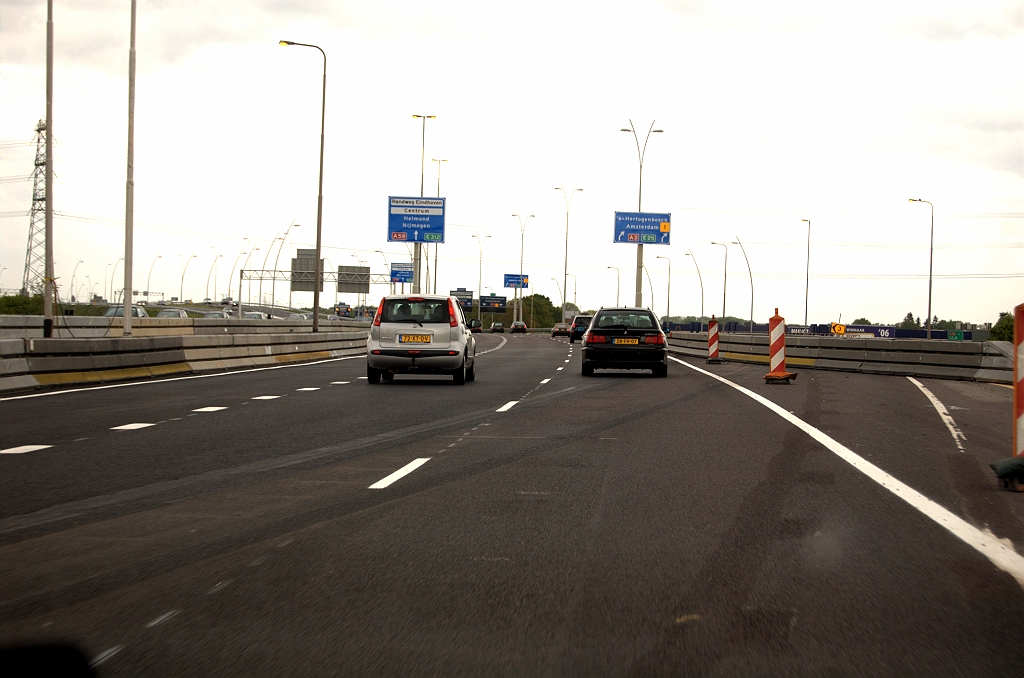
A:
<point x="618" y="279"/>
<point x="208" y="277"/>
<point x="522" y="243"/>
<point x="273" y="283"/>
<point x="113" y="273"/>
<point x="701" y="280"/>
<point x="931" y="250"/>
<point x="639" y="203"/>
<point x="725" y="275"/>
<point x="150" y="276"/>
<point x="567" y="196"/>
<point x="320" y="190"/>
<point x="74" y="291"/>
<point x="184" y="267"/>
<point x="480" y="274"/>
<point x="668" y="294"/>
<point x="438" y="161"/>
<point x="751" y="282"/>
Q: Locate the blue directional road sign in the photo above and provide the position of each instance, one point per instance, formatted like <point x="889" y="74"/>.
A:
<point x="416" y="219"/>
<point x="492" y="304"/>
<point x="465" y="298"/>
<point x="642" y="228"/>
<point x="401" y="272"/>
<point x="517" y="280"/>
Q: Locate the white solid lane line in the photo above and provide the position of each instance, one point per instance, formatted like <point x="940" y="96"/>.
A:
<point x="490" y="350"/>
<point x="162" y="618"/>
<point x="22" y="449"/>
<point x="954" y="430"/>
<point x="1004" y="558"/>
<point x="129" y="427"/>
<point x="105" y="655"/>
<point x="266" y="397"/>
<point x="210" y="409"/>
<point x="400" y="473"/>
<point x="545" y="381"/>
<point x="507" y="406"/>
<point x="309" y="388"/>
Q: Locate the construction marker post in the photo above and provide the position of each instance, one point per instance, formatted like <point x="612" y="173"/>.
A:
<point x="1010" y="472"/>
<point x="713" y="342"/>
<point x="777" y="373"/>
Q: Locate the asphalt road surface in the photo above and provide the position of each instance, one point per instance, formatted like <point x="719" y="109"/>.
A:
<point x="299" y="521"/>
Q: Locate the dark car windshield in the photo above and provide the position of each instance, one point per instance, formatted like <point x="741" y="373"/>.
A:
<point x="629" y="319"/>
<point x="421" y="311"/>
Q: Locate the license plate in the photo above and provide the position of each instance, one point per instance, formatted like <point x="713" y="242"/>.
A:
<point x="417" y="339"/>
<point x="630" y="342"/>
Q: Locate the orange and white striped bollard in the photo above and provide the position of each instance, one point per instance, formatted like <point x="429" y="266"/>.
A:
<point x="777" y="351"/>
<point x="713" y="342"/>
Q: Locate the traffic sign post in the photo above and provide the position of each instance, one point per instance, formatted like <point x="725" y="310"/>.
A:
<point x="401" y="272"/>
<point x="517" y="281"/>
<point x="416" y="219"/>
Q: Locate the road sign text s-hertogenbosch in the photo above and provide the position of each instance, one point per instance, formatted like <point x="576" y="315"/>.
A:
<point x="517" y="280"/>
<point x="643" y="228"/>
<point x="416" y="219"/>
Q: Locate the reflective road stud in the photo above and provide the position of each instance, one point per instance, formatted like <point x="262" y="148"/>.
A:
<point x="713" y="341"/>
<point x="777" y="351"/>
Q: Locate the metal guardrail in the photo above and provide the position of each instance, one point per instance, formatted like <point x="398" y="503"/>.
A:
<point x="967" y="360"/>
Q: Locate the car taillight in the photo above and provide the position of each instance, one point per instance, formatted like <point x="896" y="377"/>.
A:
<point x="414" y="299"/>
<point x="592" y="338"/>
<point x="380" y="312"/>
<point x="454" y="322"/>
<point x="655" y="339"/>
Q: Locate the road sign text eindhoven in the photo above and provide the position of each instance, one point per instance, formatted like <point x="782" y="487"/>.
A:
<point x="401" y="272"/>
<point x="517" y="280"/>
<point x="416" y="219"/>
<point x="642" y="228"/>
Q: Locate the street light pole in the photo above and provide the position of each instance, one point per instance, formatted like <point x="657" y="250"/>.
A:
<point x="573" y="294"/>
<point x="568" y="204"/>
<point x="418" y="246"/>
<point x="184" y="267"/>
<point x="807" y="278"/>
<point x="522" y="243"/>
<point x="208" y="278"/>
<point x="320" y="189"/>
<point x="273" y="283"/>
<point x="150" y="276"/>
<point x="931" y="250"/>
<point x="265" y="259"/>
<point x="639" y="205"/>
<point x="233" y="267"/>
<point x="129" y="210"/>
<point x="480" y="278"/>
<point x="668" y="294"/>
<point x="438" y="161"/>
<point x="561" y="293"/>
<point x="701" y="280"/>
<point x="725" y="275"/>
<point x="73" y="272"/>
<point x="618" y="279"/>
<point x="114" y="273"/>
<point x="742" y="249"/>
<point x="240" y="273"/>
<point x="48" y="181"/>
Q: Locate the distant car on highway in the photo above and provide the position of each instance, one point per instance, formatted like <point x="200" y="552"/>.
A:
<point x="118" y="312"/>
<point x="475" y="326"/>
<point x="228" y="301"/>
<point x="161" y="303"/>
<point x="497" y="327"/>
<point x="216" y="314"/>
<point x="255" y="315"/>
<point x="416" y="334"/>
<point x="518" y="327"/>
<point x="297" y="316"/>
<point x="579" y="325"/>
<point x="172" y="313"/>
<point x="207" y="300"/>
<point x="560" y="330"/>
<point x="625" y="339"/>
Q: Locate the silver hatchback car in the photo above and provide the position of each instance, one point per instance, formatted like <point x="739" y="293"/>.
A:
<point x="420" y="334"/>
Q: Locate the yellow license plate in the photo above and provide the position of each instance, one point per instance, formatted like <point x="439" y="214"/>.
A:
<point x="631" y="342"/>
<point x="416" y="339"/>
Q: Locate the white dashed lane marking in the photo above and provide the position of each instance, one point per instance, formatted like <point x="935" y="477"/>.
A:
<point x="129" y="427"/>
<point x="105" y="655"/>
<point x="309" y="388"/>
<point x="560" y="368"/>
<point x="210" y="409"/>
<point x="22" y="449"/>
<point x="400" y="473"/>
<point x="507" y="406"/>
<point x="340" y="382"/>
<point x="162" y="618"/>
<point x="265" y="397"/>
<point x="544" y="381"/>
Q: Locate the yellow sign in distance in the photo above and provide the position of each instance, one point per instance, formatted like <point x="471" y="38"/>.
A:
<point x="838" y="329"/>
<point x="666" y="226"/>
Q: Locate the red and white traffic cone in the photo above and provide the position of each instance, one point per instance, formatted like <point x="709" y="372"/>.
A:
<point x="713" y="342"/>
<point x="777" y="351"/>
<point x="1011" y="471"/>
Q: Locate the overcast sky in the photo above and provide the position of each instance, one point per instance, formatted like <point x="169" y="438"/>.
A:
<point x="772" y="112"/>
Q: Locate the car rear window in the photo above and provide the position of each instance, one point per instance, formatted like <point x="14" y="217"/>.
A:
<point x="583" y="320"/>
<point x="643" y="320"/>
<point x="424" y="311"/>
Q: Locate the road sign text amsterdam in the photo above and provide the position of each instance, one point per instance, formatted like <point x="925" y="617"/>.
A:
<point x="642" y="228"/>
<point x="416" y="219"/>
<point x="517" y="280"/>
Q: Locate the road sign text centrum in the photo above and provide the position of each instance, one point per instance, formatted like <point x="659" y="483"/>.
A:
<point x="642" y="228"/>
<point x="416" y="219"/>
<point x="517" y="280"/>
